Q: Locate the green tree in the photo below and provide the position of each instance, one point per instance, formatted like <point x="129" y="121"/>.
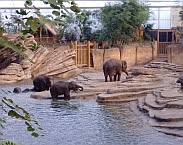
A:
<point x="122" y="19"/>
<point x="80" y="25"/>
<point x="181" y="16"/>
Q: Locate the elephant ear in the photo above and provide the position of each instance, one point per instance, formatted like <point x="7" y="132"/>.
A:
<point x="72" y="84"/>
<point x="49" y="80"/>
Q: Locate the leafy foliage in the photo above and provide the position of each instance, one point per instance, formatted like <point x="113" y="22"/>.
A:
<point x="181" y="16"/>
<point x="15" y="111"/>
<point x="99" y="35"/>
<point x="82" y="26"/>
<point x="147" y="28"/>
<point x="122" y="19"/>
<point x="7" y="142"/>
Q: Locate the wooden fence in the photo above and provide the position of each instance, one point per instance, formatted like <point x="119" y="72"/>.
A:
<point x="164" y="37"/>
<point x="83" y="53"/>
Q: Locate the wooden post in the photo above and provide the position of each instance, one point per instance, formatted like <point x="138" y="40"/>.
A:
<point x="158" y="41"/>
<point x="75" y="48"/>
<point x="88" y="53"/>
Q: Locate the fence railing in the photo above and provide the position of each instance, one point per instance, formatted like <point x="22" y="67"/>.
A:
<point x="164" y="37"/>
<point x="83" y="53"/>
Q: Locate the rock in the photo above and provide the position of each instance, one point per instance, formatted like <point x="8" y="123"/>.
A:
<point x="170" y="131"/>
<point x="30" y="41"/>
<point x="8" y="56"/>
<point x="144" y="71"/>
<point x="13" y="73"/>
<point x="41" y="95"/>
<point x="59" y="63"/>
<point x="69" y="73"/>
<point x="25" y="64"/>
<point x="74" y="95"/>
<point x="40" y="54"/>
<point x="107" y="98"/>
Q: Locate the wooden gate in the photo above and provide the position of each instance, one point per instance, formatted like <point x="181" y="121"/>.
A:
<point x="83" y="53"/>
<point x="164" y="37"/>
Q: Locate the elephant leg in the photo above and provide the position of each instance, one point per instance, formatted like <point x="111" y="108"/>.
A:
<point x="119" y="76"/>
<point x="110" y="76"/>
<point x="54" y="97"/>
<point x="115" y="77"/>
<point x="106" y="78"/>
<point x="67" y="95"/>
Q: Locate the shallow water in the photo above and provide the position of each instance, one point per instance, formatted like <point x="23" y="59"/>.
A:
<point x="82" y="122"/>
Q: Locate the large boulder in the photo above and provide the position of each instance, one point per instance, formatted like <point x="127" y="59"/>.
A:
<point x="13" y="73"/>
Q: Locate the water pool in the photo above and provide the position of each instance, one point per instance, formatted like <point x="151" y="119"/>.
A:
<point x="82" y="122"/>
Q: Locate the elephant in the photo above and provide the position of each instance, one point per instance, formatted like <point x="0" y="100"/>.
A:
<point x="64" y="88"/>
<point x="26" y="90"/>
<point x="17" y="90"/>
<point x="180" y="80"/>
<point x="42" y="83"/>
<point x="113" y="67"/>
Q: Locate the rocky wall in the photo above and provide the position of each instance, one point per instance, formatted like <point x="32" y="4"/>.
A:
<point x="57" y="62"/>
<point x="133" y="54"/>
<point x="128" y="53"/>
<point x="175" y="54"/>
<point x="111" y="53"/>
<point x="98" y="58"/>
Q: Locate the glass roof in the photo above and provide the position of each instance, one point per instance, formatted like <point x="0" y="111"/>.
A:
<point x="89" y="3"/>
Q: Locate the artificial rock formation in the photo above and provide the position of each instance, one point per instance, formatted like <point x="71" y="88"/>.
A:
<point x="58" y="62"/>
<point x="54" y="63"/>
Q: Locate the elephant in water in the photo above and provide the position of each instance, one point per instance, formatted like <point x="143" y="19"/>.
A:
<point x="64" y="88"/>
<point x="17" y="90"/>
<point x="113" y="67"/>
<point x="42" y="83"/>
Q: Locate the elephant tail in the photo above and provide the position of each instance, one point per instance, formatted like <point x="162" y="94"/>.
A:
<point x="104" y="69"/>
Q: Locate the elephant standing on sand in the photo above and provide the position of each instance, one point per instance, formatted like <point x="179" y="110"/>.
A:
<point x="113" y="67"/>
<point x="63" y="88"/>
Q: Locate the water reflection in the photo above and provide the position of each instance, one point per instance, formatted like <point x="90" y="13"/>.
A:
<point x="83" y="122"/>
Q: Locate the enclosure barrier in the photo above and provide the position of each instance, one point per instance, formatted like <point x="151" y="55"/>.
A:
<point x="83" y="53"/>
<point x="164" y="37"/>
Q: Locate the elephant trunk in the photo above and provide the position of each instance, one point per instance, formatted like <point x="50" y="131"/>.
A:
<point x="80" y="88"/>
